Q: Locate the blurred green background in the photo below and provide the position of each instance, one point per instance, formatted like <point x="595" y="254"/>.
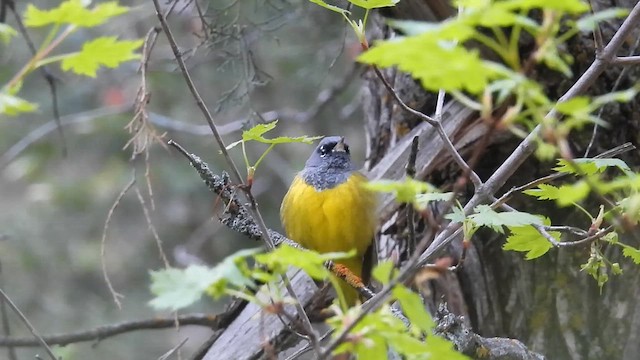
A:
<point x="253" y="61"/>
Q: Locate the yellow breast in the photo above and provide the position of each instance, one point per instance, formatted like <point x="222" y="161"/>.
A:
<point x="337" y="219"/>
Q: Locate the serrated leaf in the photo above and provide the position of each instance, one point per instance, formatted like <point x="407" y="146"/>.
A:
<point x="632" y="253"/>
<point x="589" y="22"/>
<point x="422" y="200"/>
<point x="175" y="289"/>
<point x="413" y="308"/>
<point x="528" y="239"/>
<point x="485" y="216"/>
<point x="564" y="195"/>
<point x="590" y="166"/>
<point x="309" y="261"/>
<point x="13" y="105"/>
<point x="6" y="32"/>
<point x="422" y="56"/>
<point x="544" y="192"/>
<point x="256" y="134"/>
<point x="73" y="12"/>
<point x="106" y="51"/>
<point x="456" y="215"/>
<point x="374" y="4"/>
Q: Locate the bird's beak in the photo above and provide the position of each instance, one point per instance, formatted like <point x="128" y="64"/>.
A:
<point x="339" y="146"/>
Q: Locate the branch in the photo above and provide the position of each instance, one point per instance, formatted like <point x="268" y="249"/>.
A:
<point x="528" y="145"/>
<point x="37" y="339"/>
<point x="454" y="329"/>
<point x="215" y="322"/>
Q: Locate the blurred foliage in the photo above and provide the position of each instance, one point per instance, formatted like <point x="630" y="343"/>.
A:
<point x="252" y="58"/>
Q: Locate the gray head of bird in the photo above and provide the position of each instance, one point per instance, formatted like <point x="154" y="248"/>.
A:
<point x="329" y="165"/>
<point x="332" y="154"/>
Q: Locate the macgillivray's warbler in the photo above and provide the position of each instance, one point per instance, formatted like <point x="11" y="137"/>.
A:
<point x="327" y="209"/>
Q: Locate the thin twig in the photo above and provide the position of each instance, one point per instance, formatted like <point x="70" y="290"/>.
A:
<point x="411" y="172"/>
<point x="106" y="331"/>
<point x="475" y="179"/>
<point x="6" y="328"/>
<point x="171" y="351"/>
<point x="103" y="241"/>
<point x="39" y="340"/>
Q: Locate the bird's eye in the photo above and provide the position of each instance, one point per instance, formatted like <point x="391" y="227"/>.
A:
<point x="324" y="150"/>
<point x="346" y="148"/>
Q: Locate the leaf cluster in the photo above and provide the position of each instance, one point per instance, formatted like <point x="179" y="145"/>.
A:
<point x="65" y="19"/>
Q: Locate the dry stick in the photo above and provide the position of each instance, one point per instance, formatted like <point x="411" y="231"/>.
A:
<point x="6" y="328"/>
<point x="99" y="333"/>
<point x="103" y="242"/>
<point x="26" y="321"/>
<point x="623" y="72"/>
<point x="511" y="164"/>
<point x="475" y="179"/>
<point x="411" y="172"/>
<point x="234" y="170"/>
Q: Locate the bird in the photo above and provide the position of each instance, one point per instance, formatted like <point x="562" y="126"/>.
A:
<point x="327" y="209"/>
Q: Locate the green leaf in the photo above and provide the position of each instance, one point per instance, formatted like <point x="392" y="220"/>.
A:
<point x="422" y="200"/>
<point x="564" y="195"/>
<point x="589" y="22"/>
<point x="485" y="216"/>
<point x="569" y="6"/>
<point x="440" y="348"/>
<point x="456" y="215"/>
<point x="383" y="271"/>
<point x="544" y="192"/>
<point x="578" y="104"/>
<point x="405" y="344"/>
<point x="405" y="191"/>
<point x="337" y="9"/>
<point x="106" y="51"/>
<point x="528" y="239"/>
<point x="175" y="289"/>
<point x="413" y="308"/>
<point x="622" y="96"/>
<point x="73" y="12"/>
<point x="423" y="57"/>
<point x="256" y="134"/>
<point x="6" y="32"/>
<point x="309" y="261"/>
<point x="632" y="253"/>
<point x="590" y="166"/>
<point x="13" y="105"/>
<point x="374" y="4"/>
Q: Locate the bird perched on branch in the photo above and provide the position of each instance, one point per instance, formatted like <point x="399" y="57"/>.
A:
<point x="327" y="209"/>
